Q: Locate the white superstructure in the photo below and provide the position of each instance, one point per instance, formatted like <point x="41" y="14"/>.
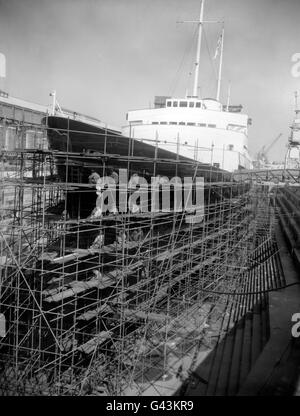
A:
<point x="196" y="128"/>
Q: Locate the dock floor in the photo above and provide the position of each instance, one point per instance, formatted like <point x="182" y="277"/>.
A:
<point x="258" y="356"/>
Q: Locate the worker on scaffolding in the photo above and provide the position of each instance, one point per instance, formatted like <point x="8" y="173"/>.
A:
<point x="94" y="177"/>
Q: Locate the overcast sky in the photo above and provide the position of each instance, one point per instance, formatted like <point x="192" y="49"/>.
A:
<point x="105" y="57"/>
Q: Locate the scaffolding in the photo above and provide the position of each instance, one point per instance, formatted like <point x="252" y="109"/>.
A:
<point x="119" y="303"/>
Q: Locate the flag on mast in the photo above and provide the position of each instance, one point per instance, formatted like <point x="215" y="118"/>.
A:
<point x="2" y="66"/>
<point x="218" y="47"/>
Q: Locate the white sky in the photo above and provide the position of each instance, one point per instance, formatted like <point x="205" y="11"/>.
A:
<point x="105" y="57"/>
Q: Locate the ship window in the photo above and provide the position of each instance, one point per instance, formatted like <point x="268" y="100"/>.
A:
<point x="181" y="123"/>
<point x="154" y="122"/>
<point x="175" y="104"/>
<point x="183" y="104"/>
<point x="191" y="104"/>
<point x="185" y="142"/>
<point x="236" y="127"/>
<point x="216" y="165"/>
<point x="201" y="124"/>
<point x="198" y="105"/>
<point x="173" y="122"/>
<point x="230" y="147"/>
<point x="212" y="125"/>
<point x="191" y="124"/>
<point x="168" y="103"/>
<point x="163" y="122"/>
<point x="136" y="121"/>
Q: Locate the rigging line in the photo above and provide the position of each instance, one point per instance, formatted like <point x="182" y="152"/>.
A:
<point x="209" y="54"/>
<point x="187" y="52"/>
<point x="189" y="81"/>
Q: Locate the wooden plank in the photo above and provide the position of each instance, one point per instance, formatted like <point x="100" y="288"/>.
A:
<point x="93" y="343"/>
<point x="87" y="316"/>
<point x="151" y="316"/>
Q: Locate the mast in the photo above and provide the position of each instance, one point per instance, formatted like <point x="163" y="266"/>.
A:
<point x="200" y="23"/>
<point x="220" y="66"/>
<point x="200" y="28"/>
<point x="228" y="96"/>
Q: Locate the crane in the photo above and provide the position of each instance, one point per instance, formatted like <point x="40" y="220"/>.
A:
<point x="263" y="152"/>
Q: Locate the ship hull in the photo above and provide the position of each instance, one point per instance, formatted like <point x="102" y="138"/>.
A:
<point x="83" y="144"/>
<point x="81" y="149"/>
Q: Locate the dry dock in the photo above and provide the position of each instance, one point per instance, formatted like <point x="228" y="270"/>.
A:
<point x="143" y="303"/>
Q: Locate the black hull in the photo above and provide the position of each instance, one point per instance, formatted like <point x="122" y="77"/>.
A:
<point x="81" y="149"/>
<point x="84" y="144"/>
